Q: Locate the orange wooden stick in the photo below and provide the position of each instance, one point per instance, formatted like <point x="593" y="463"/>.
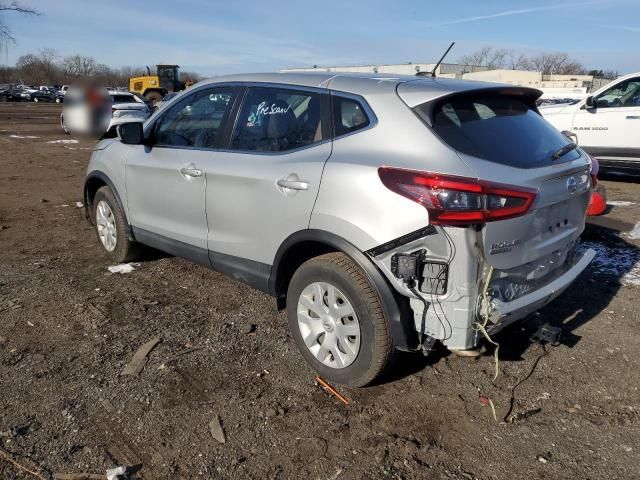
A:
<point x="332" y="390"/>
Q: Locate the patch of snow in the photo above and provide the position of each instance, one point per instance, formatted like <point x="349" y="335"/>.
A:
<point x="23" y="136"/>
<point x="635" y="233"/>
<point x="123" y="267"/>
<point x="79" y="204"/>
<point x="62" y="141"/>
<point x="621" y="262"/>
<point x="620" y="203"/>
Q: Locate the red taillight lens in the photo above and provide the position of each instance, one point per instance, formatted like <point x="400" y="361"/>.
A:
<point x="453" y="200"/>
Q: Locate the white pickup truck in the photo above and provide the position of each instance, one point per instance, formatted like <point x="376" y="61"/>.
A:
<point x="607" y="122"/>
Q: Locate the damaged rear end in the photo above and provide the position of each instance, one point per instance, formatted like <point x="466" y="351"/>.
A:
<point x="504" y="242"/>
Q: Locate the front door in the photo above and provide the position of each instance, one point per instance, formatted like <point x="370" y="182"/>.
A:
<point x="612" y="128"/>
<point x="166" y="183"/>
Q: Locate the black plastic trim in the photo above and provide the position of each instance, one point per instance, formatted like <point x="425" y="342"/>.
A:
<point x="395" y="307"/>
<point x="254" y="274"/>
<point x="173" y="247"/>
<point x="397" y="242"/>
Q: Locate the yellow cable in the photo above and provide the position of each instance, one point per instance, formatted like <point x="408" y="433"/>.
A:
<point x="483" y="326"/>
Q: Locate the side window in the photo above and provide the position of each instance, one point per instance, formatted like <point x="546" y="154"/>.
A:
<point x="196" y="121"/>
<point x="348" y="115"/>
<point x="624" y="94"/>
<point x="276" y="120"/>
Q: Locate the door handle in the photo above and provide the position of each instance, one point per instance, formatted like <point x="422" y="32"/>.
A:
<point x="191" y="171"/>
<point x="293" y="184"/>
<point x="633" y="117"/>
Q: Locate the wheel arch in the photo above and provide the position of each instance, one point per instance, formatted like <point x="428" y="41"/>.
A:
<point x="94" y="181"/>
<point x="307" y="244"/>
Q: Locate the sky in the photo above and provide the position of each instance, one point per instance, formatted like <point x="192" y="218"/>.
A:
<point x="216" y="37"/>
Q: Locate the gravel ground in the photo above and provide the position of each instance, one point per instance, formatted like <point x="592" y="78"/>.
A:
<point x="68" y="327"/>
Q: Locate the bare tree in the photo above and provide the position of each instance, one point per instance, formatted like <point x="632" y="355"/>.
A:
<point x="48" y="59"/>
<point x="12" y="7"/>
<point x="517" y="61"/>
<point x="558" y="63"/>
<point x="78" y="65"/>
<point x="488" y="56"/>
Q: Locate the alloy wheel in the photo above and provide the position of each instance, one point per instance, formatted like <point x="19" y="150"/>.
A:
<point x="106" y="224"/>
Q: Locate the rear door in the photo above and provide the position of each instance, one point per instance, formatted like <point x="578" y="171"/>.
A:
<point x="165" y="181"/>
<point x="611" y="129"/>
<point x="264" y="187"/>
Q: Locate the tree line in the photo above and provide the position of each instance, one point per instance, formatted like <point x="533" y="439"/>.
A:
<point x="547" y="62"/>
<point x="47" y="67"/>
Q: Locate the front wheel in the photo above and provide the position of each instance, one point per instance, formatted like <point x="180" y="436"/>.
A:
<point x="111" y="228"/>
<point x="337" y="321"/>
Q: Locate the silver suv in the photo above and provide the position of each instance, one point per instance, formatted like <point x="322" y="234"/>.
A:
<point x="384" y="213"/>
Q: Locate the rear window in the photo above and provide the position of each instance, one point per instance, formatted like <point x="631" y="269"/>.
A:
<point x="500" y="129"/>
<point x="348" y="115"/>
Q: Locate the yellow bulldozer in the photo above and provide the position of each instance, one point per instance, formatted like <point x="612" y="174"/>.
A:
<point x="154" y="87"/>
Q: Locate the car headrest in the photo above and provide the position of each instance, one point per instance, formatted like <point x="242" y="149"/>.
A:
<point x="280" y="120"/>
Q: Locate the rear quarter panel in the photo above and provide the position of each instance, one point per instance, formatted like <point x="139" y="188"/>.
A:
<point x="352" y="201"/>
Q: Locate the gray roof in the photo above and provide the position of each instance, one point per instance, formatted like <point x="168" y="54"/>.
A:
<point x="414" y="89"/>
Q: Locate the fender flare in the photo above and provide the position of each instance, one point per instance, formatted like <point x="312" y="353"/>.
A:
<point x="97" y="174"/>
<point x="395" y="307"/>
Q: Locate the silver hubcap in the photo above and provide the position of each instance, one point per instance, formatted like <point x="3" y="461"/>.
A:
<point x="106" y="223"/>
<point x="328" y="325"/>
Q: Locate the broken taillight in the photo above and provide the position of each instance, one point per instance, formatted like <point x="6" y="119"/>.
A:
<point x="453" y="200"/>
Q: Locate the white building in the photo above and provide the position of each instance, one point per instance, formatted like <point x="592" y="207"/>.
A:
<point x="447" y="70"/>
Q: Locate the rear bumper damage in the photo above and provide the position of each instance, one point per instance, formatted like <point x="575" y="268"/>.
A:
<point x="452" y="311"/>
<point x="505" y="313"/>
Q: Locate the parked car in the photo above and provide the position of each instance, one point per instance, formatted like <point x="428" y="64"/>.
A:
<point x="45" y="96"/>
<point x="606" y="123"/>
<point x="11" y="95"/>
<point x="384" y="213"/>
<point x="125" y="107"/>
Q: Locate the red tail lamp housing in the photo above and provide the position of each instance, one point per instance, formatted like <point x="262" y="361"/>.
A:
<point x="453" y="200"/>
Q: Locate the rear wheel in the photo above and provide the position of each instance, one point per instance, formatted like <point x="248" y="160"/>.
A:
<point x="111" y="228"/>
<point x="337" y="321"/>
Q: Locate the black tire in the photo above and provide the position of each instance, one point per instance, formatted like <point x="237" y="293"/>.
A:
<point x="4" y="99"/>
<point x="126" y="250"/>
<point x="153" y="97"/>
<point x="376" y="351"/>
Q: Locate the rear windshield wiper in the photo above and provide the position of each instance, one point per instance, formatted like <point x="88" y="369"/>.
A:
<point x="562" y="151"/>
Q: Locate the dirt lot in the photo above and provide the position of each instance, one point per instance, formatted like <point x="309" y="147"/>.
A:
<point x="68" y="327"/>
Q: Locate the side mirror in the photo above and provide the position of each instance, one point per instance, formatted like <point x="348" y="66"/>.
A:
<point x="131" y="133"/>
<point x="590" y="103"/>
<point x="572" y="137"/>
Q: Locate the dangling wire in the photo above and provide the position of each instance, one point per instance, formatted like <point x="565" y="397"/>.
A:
<point x="482" y="327"/>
